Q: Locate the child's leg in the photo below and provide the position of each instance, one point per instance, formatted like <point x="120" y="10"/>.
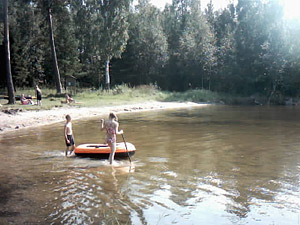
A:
<point x="72" y="149"/>
<point x="112" y="152"/>
<point x="66" y="153"/>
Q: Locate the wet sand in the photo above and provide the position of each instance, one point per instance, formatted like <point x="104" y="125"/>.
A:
<point x="22" y="120"/>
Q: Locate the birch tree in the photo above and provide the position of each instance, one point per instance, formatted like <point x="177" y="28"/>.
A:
<point x="113" y="32"/>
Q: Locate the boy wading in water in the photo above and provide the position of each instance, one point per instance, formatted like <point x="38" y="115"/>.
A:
<point x="69" y="135"/>
<point x="112" y="129"/>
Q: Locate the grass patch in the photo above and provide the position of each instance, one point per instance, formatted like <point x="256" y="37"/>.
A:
<point x="119" y="95"/>
<point x="206" y="96"/>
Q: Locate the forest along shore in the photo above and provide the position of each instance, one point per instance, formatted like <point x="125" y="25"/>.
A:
<point x="21" y="120"/>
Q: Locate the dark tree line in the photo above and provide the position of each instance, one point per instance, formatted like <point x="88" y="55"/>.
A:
<point x="245" y="49"/>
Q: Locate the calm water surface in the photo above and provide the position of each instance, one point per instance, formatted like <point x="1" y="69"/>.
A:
<point x="213" y="165"/>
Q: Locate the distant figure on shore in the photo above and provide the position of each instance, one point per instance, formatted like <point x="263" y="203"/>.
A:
<point x="112" y="129"/>
<point x="25" y="101"/>
<point x="69" y="135"/>
<point x="38" y="95"/>
<point x="69" y="99"/>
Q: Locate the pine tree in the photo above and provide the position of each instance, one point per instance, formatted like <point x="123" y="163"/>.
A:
<point x="86" y="31"/>
<point x="10" y="85"/>
<point x="273" y="58"/>
<point x="191" y="45"/>
<point x="46" y="7"/>
<point x="293" y="59"/>
<point x="147" y="45"/>
<point x="225" y="79"/>
<point x="66" y="44"/>
<point x="53" y="50"/>
<point x="27" y="48"/>
<point x="258" y="43"/>
<point x="250" y="35"/>
<point x="173" y="26"/>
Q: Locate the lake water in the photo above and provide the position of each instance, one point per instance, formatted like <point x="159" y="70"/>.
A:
<point x="211" y="165"/>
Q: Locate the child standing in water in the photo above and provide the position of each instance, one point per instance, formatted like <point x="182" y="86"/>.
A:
<point x="38" y="95"/>
<point x="69" y="135"/>
<point x="112" y="129"/>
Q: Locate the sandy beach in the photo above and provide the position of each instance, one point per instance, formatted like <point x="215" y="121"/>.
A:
<point x="25" y="119"/>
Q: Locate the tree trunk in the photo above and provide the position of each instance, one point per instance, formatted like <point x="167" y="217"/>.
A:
<point x="272" y="93"/>
<point x="10" y="85"/>
<point x="54" y="58"/>
<point x="107" y="78"/>
<point x="209" y="77"/>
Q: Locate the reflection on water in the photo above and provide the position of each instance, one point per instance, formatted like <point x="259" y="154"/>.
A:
<point x="214" y="165"/>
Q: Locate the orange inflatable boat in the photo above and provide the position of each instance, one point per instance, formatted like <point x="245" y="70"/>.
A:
<point x="103" y="150"/>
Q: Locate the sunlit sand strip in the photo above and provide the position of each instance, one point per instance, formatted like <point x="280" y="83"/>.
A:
<point x="21" y="120"/>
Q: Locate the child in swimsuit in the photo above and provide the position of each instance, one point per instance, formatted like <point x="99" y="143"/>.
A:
<point x="69" y="99"/>
<point x="25" y="101"/>
<point x="69" y="135"/>
<point x="112" y="129"/>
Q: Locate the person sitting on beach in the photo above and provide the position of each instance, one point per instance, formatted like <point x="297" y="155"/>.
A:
<point x="69" y="99"/>
<point x="112" y="129"/>
<point x="25" y="101"/>
<point x="69" y="135"/>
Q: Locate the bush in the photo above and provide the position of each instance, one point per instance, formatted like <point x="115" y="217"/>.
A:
<point x="194" y="96"/>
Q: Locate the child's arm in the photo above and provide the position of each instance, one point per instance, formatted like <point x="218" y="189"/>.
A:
<point x="102" y="124"/>
<point x="117" y="129"/>
<point x="73" y="134"/>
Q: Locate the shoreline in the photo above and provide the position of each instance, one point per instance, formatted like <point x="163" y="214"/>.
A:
<point x="30" y="119"/>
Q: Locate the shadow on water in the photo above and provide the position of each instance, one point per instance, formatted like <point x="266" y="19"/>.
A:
<point x="214" y="165"/>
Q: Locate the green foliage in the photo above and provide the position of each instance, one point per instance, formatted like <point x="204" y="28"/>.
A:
<point x="197" y="48"/>
<point x="146" y="53"/>
<point x="26" y="50"/>
<point x="191" y="46"/>
<point x="101" y="30"/>
<point x="66" y="44"/>
<point x="112" y="17"/>
<point x="245" y="49"/>
<point x="195" y="95"/>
